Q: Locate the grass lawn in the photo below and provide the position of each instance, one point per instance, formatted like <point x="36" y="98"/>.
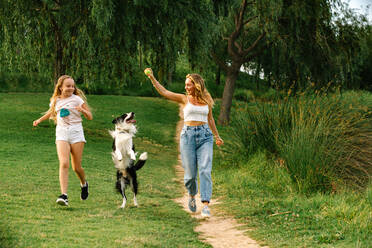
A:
<point x="29" y="216"/>
<point x="254" y="191"/>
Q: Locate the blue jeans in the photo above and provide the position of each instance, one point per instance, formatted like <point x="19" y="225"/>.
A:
<point x="196" y="147"/>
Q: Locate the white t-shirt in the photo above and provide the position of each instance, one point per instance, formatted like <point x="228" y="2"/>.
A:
<point x="67" y="115"/>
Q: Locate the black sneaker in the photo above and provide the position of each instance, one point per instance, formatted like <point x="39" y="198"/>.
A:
<point x="62" y="200"/>
<point x="84" y="191"/>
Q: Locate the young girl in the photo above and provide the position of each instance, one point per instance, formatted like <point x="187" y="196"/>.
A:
<point x="66" y="106"/>
<point x="196" y="141"/>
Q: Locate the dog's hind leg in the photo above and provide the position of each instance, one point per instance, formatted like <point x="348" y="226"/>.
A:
<point x="122" y="189"/>
<point x="135" y="201"/>
<point x="134" y="186"/>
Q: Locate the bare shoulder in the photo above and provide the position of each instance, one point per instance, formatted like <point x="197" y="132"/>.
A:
<point x="184" y="99"/>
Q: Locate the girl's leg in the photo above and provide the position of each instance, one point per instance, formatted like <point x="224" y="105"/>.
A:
<point x="63" y="151"/>
<point x="76" y="158"/>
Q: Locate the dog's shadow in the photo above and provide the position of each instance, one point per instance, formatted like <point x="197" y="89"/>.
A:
<point x="69" y="209"/>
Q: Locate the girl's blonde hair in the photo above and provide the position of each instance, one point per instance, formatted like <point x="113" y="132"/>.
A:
<point x="201" y="92"/>
<point x="58" y="92"/>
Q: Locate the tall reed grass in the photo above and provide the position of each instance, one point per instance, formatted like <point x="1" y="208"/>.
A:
<point x="323" y="141"/>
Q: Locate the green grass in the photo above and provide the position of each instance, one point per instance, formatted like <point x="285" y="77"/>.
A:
<point x="260" y="196"/>
<point x="29" y="216"/>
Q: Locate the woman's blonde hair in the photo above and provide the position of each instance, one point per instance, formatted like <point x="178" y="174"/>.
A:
<point x="201" y="92"/>
<point x="58" y="92"/>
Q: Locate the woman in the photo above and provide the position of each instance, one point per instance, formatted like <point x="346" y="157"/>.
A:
<point x="196" y="141"/>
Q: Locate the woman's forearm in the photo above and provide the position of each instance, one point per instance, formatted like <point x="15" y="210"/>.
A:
<point x="159" y="88"/>
<point x="213" y="127"/>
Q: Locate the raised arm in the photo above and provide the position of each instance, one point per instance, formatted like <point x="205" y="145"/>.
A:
<point x="179" y="98"/>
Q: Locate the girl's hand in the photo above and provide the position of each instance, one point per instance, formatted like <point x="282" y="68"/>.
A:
<point x="84" y="109"/>
<point x="35" y="123"/>
<point x="219" y="141"/>
<point x="80" y="109"/>
<point x="148" y="72"/>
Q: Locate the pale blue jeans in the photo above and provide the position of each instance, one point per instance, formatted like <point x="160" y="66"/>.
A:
<point x="196" y="147"/>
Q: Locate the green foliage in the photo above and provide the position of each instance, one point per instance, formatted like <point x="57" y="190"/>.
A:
<point x="16" y="82"/>
<point x="104" y="44"/>
<point x="244" y="95"/>
<point x="323" y="141"/>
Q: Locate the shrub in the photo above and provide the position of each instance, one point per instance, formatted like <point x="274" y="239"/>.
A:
<point x="243" y="95"/>
<point x="324" y="141"/>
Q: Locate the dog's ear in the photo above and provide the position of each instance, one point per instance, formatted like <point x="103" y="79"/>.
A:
<point x="114" y="121"/>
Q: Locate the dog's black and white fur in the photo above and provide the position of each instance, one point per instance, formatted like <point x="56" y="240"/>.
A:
<point x="124" y="156"/>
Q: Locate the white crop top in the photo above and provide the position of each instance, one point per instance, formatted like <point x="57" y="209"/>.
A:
<point x="195" y="113"/>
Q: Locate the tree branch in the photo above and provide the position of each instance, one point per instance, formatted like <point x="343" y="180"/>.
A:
<point x="249" y="20"/>
<point x="219" y="62"/>
<point x="246" y="51"/>
<point x="240" y="50"/>
<point x="238" y="27"/>
<point x="253" y="55"/>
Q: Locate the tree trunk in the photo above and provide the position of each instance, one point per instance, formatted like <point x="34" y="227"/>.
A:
<point x="59" y="67"/>
<point x="170" y="77"/>
<point x="228" y="92"/>
<point x="140" y="56"/>
<point x="218" y="76"/>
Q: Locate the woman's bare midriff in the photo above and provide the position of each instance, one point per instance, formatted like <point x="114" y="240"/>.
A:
<point x="194" y="123"/>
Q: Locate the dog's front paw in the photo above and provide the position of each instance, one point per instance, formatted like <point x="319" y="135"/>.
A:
<point x="132" y="156"/>
<point x="118" y="155"/>
<point x="143" y="156"/>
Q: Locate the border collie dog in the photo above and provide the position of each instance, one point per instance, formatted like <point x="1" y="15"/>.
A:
<point x="124" y="155"/>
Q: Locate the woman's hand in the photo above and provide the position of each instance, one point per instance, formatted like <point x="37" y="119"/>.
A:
<point x="149" y="72"/>
<point x="219" y="141"/>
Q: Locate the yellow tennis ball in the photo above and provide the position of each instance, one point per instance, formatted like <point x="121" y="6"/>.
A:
<point x="147" y="72"/>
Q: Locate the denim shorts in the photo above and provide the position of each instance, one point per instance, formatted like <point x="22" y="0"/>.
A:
<point x="71" y="134"/>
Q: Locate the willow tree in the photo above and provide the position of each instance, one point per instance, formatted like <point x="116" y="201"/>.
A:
<point x="100" y="42"/>
<point x="296" y="34"/>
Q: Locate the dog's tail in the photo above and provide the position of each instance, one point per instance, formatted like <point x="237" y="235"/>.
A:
<point x="141" y="161"/>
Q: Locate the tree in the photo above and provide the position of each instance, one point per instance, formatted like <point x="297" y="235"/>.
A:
<point x="243" y="44"/>
<point x="102" y="43"/>
<point x="293" y="39"/>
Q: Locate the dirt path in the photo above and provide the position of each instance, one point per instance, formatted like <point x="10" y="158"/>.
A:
<point x="219" y="230"/>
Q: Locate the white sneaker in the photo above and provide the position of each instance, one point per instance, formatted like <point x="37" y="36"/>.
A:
<point x="62" y="200"/>
<point x="206" y="213"/>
